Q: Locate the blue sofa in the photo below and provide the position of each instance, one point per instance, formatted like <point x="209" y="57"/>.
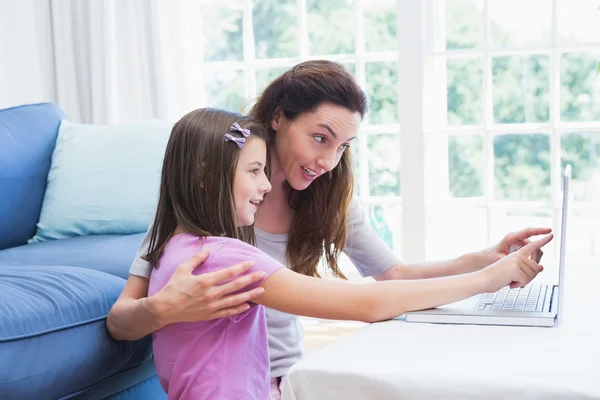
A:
<point x="55" y="295"/>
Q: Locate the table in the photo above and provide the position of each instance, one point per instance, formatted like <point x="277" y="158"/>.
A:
<point x="400" y="360"/>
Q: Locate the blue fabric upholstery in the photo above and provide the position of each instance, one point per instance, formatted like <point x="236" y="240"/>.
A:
<point x="53" y="338"/>
<point x="27" y="137"/>
<point x="56" y="342"/>
<point x="149" y="389"/>
<point x="112" y="254"/>
<point x="124" y="387"/>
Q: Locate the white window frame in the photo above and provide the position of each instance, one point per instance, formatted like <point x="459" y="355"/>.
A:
<point x="424" y="135"/>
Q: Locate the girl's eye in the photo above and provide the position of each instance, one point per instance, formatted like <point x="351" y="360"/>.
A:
<point x="255" y="171"/>
<point x="320" y="139"/>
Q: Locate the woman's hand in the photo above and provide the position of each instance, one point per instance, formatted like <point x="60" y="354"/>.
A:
<point x="512" y="241"/>
<point x="189" y="298"/>
<point x="516" y="269"/>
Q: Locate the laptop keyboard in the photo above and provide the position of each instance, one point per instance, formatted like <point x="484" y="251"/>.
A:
<point x="529" y="298"/>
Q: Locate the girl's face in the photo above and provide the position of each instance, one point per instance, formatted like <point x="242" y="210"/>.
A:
<point x="250" y="182"/>
<point x="313" y="143"/>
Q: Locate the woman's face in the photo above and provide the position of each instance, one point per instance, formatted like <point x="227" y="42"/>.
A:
<point x="313" y="143"/>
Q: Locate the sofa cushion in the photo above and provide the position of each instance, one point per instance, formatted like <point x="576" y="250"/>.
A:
<point x="27" y="137"/>
<point x="53" y="337"/>
<point x="112" y="254"/>
<point x="104" y="179"/>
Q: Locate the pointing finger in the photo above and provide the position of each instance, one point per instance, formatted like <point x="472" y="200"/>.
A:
<point x="531" y="247"/>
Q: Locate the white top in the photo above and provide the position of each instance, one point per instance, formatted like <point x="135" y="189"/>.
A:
<point x="364" y="247"/>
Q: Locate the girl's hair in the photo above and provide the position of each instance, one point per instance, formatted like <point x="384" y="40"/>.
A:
<point x="321" y="210"/>
<point x="197" y="179"/>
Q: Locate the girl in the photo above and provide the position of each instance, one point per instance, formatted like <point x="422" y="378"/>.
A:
<point x="214" y="178"/>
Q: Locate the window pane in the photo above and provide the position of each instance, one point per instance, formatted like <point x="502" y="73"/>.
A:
<point x="384" y="165"/>
<point x="329" y="30"/>
<point x="522" y="167"/>
<point x="521" y="89"/>
<point x="275" y="28"/>
<point x="506" y="221"/>
<point x="454" y="231"/>
<point x="578" y="21"/>
<point x="351" y="67"/>
<point x="387" y="221"/>
<point x="579" y="87"/>
<point x="582" y="151"/>
<point x="466" y="165"/>
<point x="380" y="25"/>
<point x="520" y="23"/>
<point x="463" y="24"/>
<point x="382" y="80"/>
<point x="225" y="89"/>
<point x="222" y="33"/>
<point x="265" y="76"/>
<point x="465" y="86"/>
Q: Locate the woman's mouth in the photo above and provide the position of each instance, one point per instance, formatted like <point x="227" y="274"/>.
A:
<point x="308" y="174"/>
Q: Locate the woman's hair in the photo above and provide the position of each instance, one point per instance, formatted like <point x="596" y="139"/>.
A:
<point x="321" y="210"/>
<point x="197" y="179"/>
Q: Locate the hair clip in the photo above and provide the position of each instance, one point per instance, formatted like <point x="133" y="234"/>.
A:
<point x="237" y="128"/>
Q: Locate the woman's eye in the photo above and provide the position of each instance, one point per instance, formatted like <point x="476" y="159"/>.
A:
<point x="320" y="139"/>
<point x="255" y="171"/>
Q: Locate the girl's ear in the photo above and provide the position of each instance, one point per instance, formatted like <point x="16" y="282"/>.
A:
<point x="277" y="119"/>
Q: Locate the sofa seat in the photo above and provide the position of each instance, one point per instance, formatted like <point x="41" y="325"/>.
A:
<point x="53" y="338"/>
<point x="112" y="254"/>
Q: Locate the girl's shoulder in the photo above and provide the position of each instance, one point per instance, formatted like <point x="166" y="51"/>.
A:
<point x="215" y="244"/>
<point x="227" y="252"/>
<point x="229" y="247"/>
<point x="223" y="252"/>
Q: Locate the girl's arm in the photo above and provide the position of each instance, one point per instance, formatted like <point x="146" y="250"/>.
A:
<point x="297" y="294"/>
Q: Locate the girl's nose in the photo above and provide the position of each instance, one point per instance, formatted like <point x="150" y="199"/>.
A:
<point x="265" y="186"/>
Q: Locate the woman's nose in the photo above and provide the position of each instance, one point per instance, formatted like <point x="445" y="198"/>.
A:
<point x="327" y="162"/>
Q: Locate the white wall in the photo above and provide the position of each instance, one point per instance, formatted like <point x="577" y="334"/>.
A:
<point x="26" y="57"/>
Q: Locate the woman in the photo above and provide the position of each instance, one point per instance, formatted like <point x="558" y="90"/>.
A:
<point x="312" y="113"/>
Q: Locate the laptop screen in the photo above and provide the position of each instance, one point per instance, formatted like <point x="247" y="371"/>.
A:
<point x="563" y="240"/>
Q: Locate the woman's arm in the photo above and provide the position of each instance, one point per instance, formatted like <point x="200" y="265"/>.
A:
<point x="131" y="318"/>
<point x="426" y="270"/>
<point x="186" y="297"/>
<point x="369" y="302"/>
<point x="469" y="262"/>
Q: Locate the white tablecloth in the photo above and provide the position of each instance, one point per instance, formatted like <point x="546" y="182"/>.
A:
<point x="400" y="360"/>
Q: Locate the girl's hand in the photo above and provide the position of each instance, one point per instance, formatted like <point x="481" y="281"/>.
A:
<point x="190" y="298"/>
<point x="516" y="269"/>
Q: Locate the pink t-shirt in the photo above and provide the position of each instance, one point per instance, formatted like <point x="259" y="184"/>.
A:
<point x="226" y="358"/>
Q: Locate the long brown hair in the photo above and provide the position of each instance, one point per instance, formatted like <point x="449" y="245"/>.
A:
<point x="197" y="179"/>
<point x="321" y="210"/>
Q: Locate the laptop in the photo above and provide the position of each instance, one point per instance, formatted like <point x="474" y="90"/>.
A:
<point x="532" y="305"/>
